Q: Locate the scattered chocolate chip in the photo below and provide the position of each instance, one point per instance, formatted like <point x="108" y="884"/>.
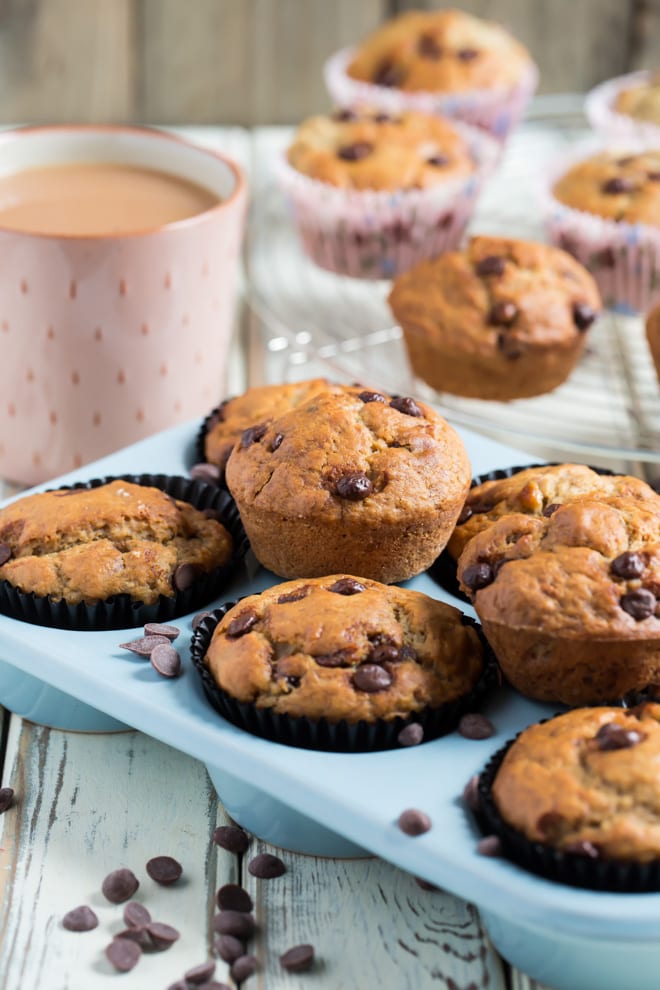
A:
<point x="371" y="678"/>
<point x="162" y="936"/>
<point x="5" y="553"/>
<point x="387" y="74"/>
<point x="467" y="54"/>
<point x="241" y="624"/>
<point x="276" y="442"/>
<point x="475" y="726"/>
<point x="619" y="184"/>
<point x="160" y="629"/>
<point x="6" y="798"/>
<point x="145" y="645"/>
<point x="367" y="396"/>
<point x="179" y="985"/>
<point x="341" y="658"/>
<point x="233" y="897"/>
<point x="136" y="915"/>
<point x="266" y="867"/>
<point x="492" y="264"/>
<point x="510" y="349"/>
<point x="293" y="682"/>
<point x="490" y="845"/>
<point x="428" y="47"/>
<point x="80" y="919"/>
<point x="355" y="152"/>
<point x="471" y="793"/>
<point x="653" y="176"/>
<point x="199" y="618"/>
<point x="583" y="315"/>
<point x="229" y="948"/>
<point x="640" y="604"/>
<point x="243" y="967"/>
<point x="123" y="954"/>
<point x="404" y="404"/>
<point x="466" y="513"/>
<point x="344" y="115"/>
<point x="478" y="576"/>
<point x="231" y="838"/>
<point x="240" y="924"/>
<point x="354" y="486"/>
<point x="253" y="434"/>
<point x="293" y="596"/>
<point x="407" y="653"/>
<point x="166" y="661"/>
<point x="385" y="652"/>
<point x="138" y="935"/>
<point x="164" y="870"/>
<point x="628" y="565"/>
<point x="438" y="161"/>
<point x="201" y="973"/>
<point x="213" y="985"/>
<point x="502" y="314"/>
<point x="210" y="473"/>
<point x="347" y="586"/>
<point x="550" y="510"/>
<point x="120" y="885"/>
<point x="383" y="118"/>
<point x="614" y="736"/>
<point x="582" y="847"/>
<point x="183" y="577"/>
<point x="411" y="735"/>
<point x="298" y="959"/>
<point x="414" y="822"/>
<point x="550" y="823"/>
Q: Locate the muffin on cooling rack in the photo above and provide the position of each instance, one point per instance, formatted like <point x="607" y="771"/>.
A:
<point x="653" y="337"/>
<point x="371" y="193"/>
<point x="443" y="62"/>
<point x="353" y="480"/>
<point x="569" y="600"/>
<point x="503" y="319"/>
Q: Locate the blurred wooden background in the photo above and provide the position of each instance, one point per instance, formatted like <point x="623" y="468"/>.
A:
<point x="259" y="61"/>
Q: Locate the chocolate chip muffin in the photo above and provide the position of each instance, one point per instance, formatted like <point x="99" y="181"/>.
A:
<point x="257" y="405"/>
<point x="85" y="545"/>
<point x="355" y="480"/>
<point x="503" y="319"/>
<point x="653" y="337"/>
<point x="640" y="101"/>
<point x="578" y="797"/>
<point x="538" y="491"/>
<point x="569" y="600"/>
<point x="615" y="185"/>
<point x="344" y="649"/>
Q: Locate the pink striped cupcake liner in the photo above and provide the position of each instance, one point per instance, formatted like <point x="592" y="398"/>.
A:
<point x="599" y="108"/>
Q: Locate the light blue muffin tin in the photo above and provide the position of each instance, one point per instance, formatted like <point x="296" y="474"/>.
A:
<point x="568" y="938"/>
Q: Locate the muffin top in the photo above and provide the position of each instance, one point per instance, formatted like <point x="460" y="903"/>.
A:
<point x="641" y="101"/>
<point x="590" y="568"/>
<point x="380" y="152"/>
<point x="351" y="456"/>
<point x="614" y="185"/>
<point x="256" y="405"/>
<point x="440" y="51"/>
<point x="498" y="297"/>
<point x="587" y="782"/>
<point x="537" y="491"/>
<point x="341" y="647"/>
<point x="86" y="544"/>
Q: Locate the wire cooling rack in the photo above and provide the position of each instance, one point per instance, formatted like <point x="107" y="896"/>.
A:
<point x="314" y="322"/>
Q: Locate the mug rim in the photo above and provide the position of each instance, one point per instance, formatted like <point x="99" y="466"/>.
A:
<point x="240" y="182"/>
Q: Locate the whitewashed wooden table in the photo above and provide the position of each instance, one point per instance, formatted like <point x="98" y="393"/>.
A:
<point x="89" y="803"/>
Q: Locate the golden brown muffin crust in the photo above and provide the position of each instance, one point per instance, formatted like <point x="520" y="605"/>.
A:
<point x="120" y="538"/>
<point x="653" y="337"/>
<point x="614" y="185"/>
<point x="440" y="51"/>
<point x="305" y="642"/>
<point x="641" y="101"/>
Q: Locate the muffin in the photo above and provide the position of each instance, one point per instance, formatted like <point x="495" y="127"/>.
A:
<point x="568" y="600"/>
<point x="371" y="193"/>
<point x="352" y="480"/>
<point x="641" y="100"/>
<point x="503" y="319"/>
<point x="653" y="337"/>
<point x="627" y="107"/>
<point x="113" y="551"/>
<point x="340" y="651"/>
<point x="444" y="62"/>
<point x="225" y="424"/>
<point x="577" y="798"/>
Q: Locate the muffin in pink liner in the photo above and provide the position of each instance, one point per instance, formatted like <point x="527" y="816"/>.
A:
<point x="627" y="107"/>
<point x="604" y="208"/>
<point x="371" y="195"/>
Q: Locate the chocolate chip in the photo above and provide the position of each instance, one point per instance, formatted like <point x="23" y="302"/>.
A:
<point x="502" y="314"/>
<point x="653" y="176"/>
<point x="162" y="936"/>
<point x="231" y="838"/>
<point x="164" y="870"/>
<point x="404" y="404"/>
<point x="120" y="885"/>
<point x="467" y="54"/>
<point x="640" y="604"/>
<point x="428" y="47"/>
<point x="438" y="161"/>
<point x="383" y="652"/>
<point x="298" y="959"/>
<point x="210" y="473"/>
<point x="123" y="954"/>
<point x="166" y="661"/>
<point x="354" y="486"/>
<point x="276" y="442"/>
<point x="583" y="315"/>
<point x="425" y="884"/>
<point x="6" y="798"/>
<point x="371" y="678"/>
<point x="367" y="396"/>
<point x="355" y="152"/>
<point x="237" y="923"/>
<point x="183" y="577"/>
<point x="475" y="726"/>
<point x="199" y="618"/>
<point x="383" y="118"/>
<point x="5" y="553"/>
<point x="511" y="349"/>
<point x="145" y="645"/>
<point x="213" y="985"/>
<point x="80" y="919"/>
<point x="466" y="513"/>
<point x="490" y="845"/>
<point x="478" y="576"/>
<point x="614" y="736"/>
<point x="253" y="434"/>
<point x="492" y="264"/>
<point x="414" y="822"/>
<point x="136" y="915"/>
<point x="471" y="793"/>
<point x="241" y="624"/>
<point x="138" y="935"/>
<point x="160" y="629"/>
<point x="343" y="115"/>
<point x="243" y="967"/>
<point x="340" y="658"/>
<point x="628" y="565"/>
<point x="179" y="985"/>
<point x="266" y="867"/>
<point x="388" y="74"/>
<point x="293" y="596"/>
<point x="582" y="847"/>
<point x="347" y="586"/>
<point x="232" y="897"/>
<point x="619" y="184"/>
<point x="293" y="682"/>
<point x="201" y="973"/>
<point x="229" y="947"/>
<point x="550" y="510"/>
<point x="411" y="735"/>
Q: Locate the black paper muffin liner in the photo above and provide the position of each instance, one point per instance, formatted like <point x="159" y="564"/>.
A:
<point x="200" y="441"/>
<point x="342" y="736"/>
<point x="120" y="611"/>
<point x="619" y="876"/>
<point x="444" y="569"/>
